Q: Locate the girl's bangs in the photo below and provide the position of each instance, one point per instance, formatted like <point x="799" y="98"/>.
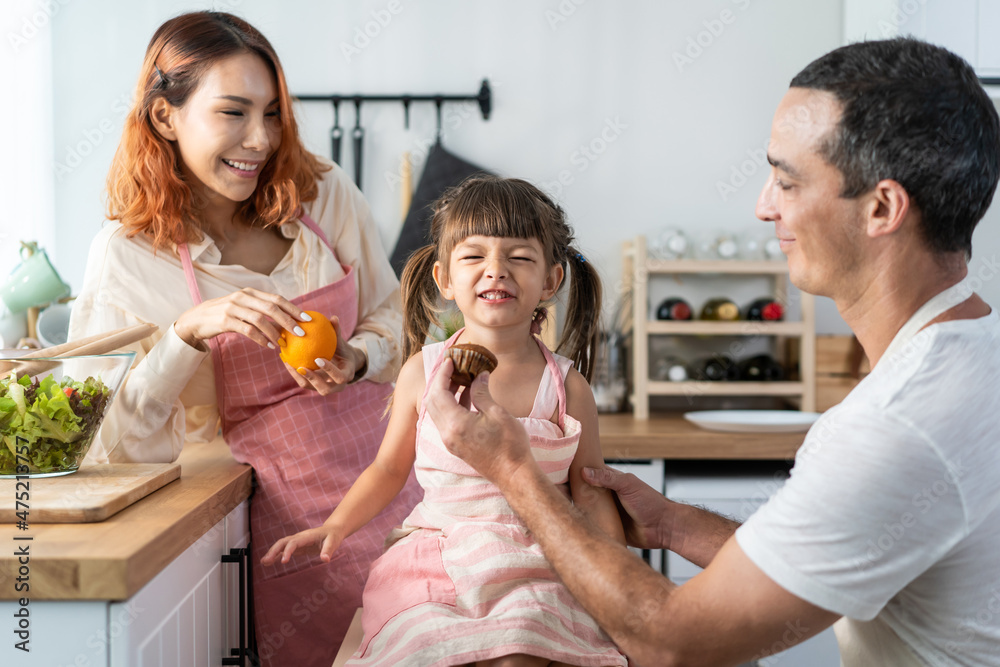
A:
<point x="491" y="207"/>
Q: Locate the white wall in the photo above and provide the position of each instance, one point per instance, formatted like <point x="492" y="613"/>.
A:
<point x="563" y="72"/>
<point x="26" y="181"/>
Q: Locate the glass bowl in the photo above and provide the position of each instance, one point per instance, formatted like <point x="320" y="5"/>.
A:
<point x="51" y="408"/>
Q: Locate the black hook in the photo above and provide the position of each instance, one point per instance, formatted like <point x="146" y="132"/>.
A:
<point x="406" y="111"/>
<point x="485" y="99"/>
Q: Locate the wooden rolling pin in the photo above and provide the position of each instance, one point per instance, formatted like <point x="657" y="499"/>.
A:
<point x="101" y="343"/>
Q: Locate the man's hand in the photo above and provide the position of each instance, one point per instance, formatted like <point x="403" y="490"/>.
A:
<point x="645" y="513"/>
<point x="491" y="441"/>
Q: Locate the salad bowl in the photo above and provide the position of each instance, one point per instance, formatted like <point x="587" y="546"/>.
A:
<point x="52" y="407"/>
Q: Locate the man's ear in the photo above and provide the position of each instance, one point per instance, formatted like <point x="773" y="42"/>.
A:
<point x="552" y="282"/>
<point x="441" y="280"/>
<point x="887" y="208"/>
<point x="162" y="115"/>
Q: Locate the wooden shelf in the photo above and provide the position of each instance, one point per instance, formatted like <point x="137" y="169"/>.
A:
<point x="701" y="266"/>
<point x="710" y="328"/>
<point x="696" y="388"/>
<point x="639" y="270"/>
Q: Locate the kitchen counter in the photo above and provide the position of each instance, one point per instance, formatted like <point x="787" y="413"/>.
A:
<point x="670" y="436"/>
<point x="113" y="559"/>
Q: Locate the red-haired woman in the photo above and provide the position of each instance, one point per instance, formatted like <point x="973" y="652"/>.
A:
<point x="225" y="230"/>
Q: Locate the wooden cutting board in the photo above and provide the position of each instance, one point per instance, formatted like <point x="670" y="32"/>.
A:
<point x="93" y="493"/>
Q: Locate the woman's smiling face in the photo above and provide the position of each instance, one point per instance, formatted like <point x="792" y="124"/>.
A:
<point x="227" y="129"/>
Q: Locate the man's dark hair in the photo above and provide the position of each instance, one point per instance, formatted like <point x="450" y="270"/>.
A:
<point x="914" y="113"/>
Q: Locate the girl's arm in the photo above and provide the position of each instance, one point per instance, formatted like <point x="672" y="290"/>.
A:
<point x="596" y="503"/>
<point x="378" y="484"/>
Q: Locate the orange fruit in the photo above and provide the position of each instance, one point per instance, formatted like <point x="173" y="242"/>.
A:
<point x="320" y="342"/>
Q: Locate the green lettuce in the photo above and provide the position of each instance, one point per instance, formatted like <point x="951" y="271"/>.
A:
<point x="54" y="420"/>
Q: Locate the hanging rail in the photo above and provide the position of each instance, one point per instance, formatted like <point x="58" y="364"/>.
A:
<point x="484" y="98"/>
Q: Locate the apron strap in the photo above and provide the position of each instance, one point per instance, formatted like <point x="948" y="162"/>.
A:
<point x="192" y="282"/>
<point x="311" y="224"/>
<point x="559" y="381"/>
<point x="935" y="306"/>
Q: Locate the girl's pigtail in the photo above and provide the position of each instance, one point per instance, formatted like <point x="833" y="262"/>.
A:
<point x="420" y="299"/>
<point x="582" y="330"/>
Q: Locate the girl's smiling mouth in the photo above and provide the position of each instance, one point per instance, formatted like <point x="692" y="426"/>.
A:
<point x="495" y="296"/>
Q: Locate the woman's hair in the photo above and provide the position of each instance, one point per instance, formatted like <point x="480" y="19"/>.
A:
<point x="506" y="208"/>
<point x="147" y="191"/>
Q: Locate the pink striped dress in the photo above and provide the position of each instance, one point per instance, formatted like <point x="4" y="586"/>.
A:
<point x="463" y="579"/>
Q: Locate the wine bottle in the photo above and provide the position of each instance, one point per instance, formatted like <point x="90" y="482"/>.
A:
<point x="761" y="368"/>
<point x="721" y="309"/>
<point x="765" y="310"/>
<point x="674" y="308"/>
<point x="717" y="368"/>
<point x="670" y="369"/>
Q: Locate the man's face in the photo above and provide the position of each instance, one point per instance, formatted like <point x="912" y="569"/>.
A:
<point x="820" y="232"/>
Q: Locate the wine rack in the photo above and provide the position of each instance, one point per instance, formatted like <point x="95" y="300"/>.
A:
<point x="640" y="269"/>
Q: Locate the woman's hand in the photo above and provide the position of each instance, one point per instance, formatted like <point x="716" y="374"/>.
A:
<point x="260" y="316"/>
<point x="333" y="374"/>
<point x="325" y="538"/>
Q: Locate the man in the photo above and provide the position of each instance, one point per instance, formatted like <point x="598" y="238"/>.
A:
<point x="884" y="158"/>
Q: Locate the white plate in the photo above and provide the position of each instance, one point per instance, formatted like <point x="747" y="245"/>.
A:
<point x="753" y="421"/>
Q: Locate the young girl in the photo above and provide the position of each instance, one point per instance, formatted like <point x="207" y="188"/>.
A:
<point x="464" y="582"/>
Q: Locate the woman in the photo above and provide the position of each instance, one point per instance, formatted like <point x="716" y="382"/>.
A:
<point x="225" y="230"/>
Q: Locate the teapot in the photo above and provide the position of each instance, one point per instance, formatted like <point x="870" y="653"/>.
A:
<point x="33" y="282"/>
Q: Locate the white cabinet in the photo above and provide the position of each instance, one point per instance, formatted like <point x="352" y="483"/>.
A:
<point x="187" y="615"/>
<point x="967" y="27"/>
<point x="738" y="494"/>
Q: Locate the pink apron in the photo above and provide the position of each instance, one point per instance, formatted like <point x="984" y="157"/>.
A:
<point x="306" y="451"/>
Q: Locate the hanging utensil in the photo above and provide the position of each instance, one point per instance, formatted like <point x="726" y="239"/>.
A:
<point x="405" y="99"/>
<point x="438" y="102"/>
<point x="406" y="185"/>
<point x="358" y="134"/>
<point x="337" y="133"/>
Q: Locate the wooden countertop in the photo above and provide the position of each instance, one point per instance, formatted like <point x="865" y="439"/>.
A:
<point x="670" y="436"/>
<point x="113" y="559"/>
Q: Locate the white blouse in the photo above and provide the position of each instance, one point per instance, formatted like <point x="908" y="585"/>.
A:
<point x="170" y="394"/>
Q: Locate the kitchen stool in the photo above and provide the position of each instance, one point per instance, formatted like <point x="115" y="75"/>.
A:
<point x="352" y="640"/>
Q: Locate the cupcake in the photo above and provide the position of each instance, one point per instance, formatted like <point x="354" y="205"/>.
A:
<point x="470" y="360"/>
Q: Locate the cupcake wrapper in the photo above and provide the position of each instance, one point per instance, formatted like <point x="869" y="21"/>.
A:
<point x="469" y="363"/>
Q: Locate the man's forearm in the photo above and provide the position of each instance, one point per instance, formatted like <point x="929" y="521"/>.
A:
<point x="697" y="534"/>
<point x="624" y="595"/>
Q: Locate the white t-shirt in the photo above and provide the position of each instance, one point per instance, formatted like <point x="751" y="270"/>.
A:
<point x="891" y="516"/>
